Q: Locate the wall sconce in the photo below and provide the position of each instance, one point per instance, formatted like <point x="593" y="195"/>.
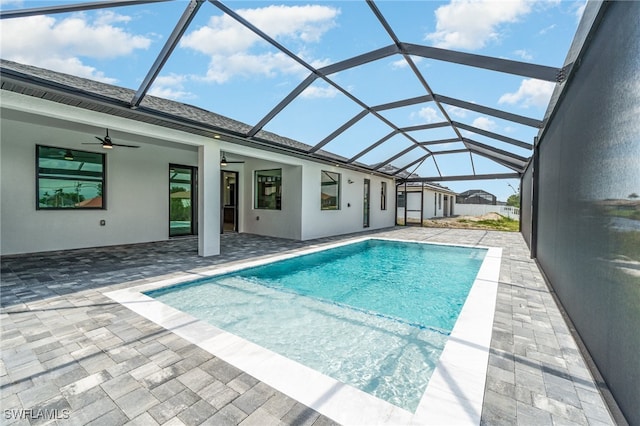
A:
<point x="68" y="155"/>
<point x="349" y="181"/>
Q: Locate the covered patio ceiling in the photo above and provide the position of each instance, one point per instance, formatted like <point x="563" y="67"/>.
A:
<point x="372" y="133"/>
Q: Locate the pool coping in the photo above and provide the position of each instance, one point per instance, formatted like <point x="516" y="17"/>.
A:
<point x="455" y="391"/>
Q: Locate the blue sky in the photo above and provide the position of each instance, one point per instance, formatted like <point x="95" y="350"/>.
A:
<point x="224" y="68"/>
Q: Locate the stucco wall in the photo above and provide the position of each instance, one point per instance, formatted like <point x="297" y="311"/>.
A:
<point x="349" y="218"/>
<point x="137" y="184"/>
<point x="283" y="223"/>
<point x="136" y="193"/>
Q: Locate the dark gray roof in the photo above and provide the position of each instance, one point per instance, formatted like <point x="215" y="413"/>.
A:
<point x="114" y="100"/>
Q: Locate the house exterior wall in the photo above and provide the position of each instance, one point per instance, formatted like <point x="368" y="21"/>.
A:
<point x="433" y="204"/>
<point x="349" y="218"/>
<point x="137" y="187"/>
<point x="136" y="193"/>
<point x="284" y="223"/>
<point x="301" y="216"/>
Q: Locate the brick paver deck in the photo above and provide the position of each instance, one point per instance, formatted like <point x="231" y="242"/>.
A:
<point x="69" y="350"/>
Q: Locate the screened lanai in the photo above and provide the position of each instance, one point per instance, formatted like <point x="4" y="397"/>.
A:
<point x="378" y="86"/>
<point x="490" y="95"/>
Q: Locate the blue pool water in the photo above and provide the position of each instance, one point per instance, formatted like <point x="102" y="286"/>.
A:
<point x="374" y="314"/>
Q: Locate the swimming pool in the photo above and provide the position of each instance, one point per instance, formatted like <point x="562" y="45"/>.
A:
<point x="374" y="314"/>
<point x="334" y="319"/>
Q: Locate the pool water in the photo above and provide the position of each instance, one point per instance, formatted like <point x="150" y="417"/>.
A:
<point x="375" y="314"/>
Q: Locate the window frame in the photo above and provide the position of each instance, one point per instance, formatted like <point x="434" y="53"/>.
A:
<point x="102" y="180"/>
<point x="278" y="202"/>
<point x="338" y="184"/>
<point x="383" y="195"/>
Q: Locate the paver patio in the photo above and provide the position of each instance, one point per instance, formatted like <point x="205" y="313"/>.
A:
<point x="69" y="350"/>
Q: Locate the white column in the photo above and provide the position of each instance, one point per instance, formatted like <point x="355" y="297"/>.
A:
<point x="208" y="200"/>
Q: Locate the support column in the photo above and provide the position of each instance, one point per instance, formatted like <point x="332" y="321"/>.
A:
<point x="208" y="200"/>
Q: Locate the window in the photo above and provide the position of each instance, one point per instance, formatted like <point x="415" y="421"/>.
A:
<point x="400" y="200"/>
<point x="182" y="200"/>
<point x="268" y="186"/>
<point x="439" y="201"/>
<point x="383" y="195"/>
<point x="330" y="191"/>
<point x="69" y="179"/>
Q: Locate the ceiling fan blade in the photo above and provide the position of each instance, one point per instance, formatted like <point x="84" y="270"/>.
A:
<point x="235" y="162"/>
<point x="100" y="139"/>
<point x="127" y="146"/>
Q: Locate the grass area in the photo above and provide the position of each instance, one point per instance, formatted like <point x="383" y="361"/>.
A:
<point x="626" y="244"/>
<point x="502" y="224"/>
<point x="492" y="221"/>
<point x="625" y="213"/>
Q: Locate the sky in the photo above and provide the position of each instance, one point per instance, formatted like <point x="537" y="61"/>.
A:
<point x="222" y="67"/>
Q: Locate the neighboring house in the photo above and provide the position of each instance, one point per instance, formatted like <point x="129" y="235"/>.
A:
<point x="476" y="196"/>
<point x="418" y="201"/>
<point x="60" y="190"/>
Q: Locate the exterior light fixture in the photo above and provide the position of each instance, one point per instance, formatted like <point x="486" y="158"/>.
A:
<point x="68" y="155"/>
<point x="223" y="160"/>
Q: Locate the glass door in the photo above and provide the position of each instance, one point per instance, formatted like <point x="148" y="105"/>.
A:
<point x="229" y="202"/>
<point x="367" y="194"/>
<point x="182" y="192"/>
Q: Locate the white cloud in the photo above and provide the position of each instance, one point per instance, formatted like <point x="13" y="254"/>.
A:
<point x="428" y="114"/>
<point x="171" y="87"/>
<point x="319" y="92"/>
<point x="547" y="29"/>
<point x="6" y="2"/>
<point x="531" y="92"/>
<point x="580" y="10"/>
<point x="171" y="93"/>
<point x="223" y="68"/>
<point x="402" y="63"/>
<point x="457" y="111"/>
<point x="471" y="24"/>
<point x="523" y="54"/>
<point x="59" y="44"/>
<point x="231" y="47"/>
<point x="399" y="64"/>
<point x="484" y="123"/>
<point x="107" y="17"/>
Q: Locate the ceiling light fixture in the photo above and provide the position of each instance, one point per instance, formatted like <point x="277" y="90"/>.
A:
<point x="223" y="160"/>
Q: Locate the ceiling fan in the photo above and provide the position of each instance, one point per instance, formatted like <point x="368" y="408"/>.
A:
<point x="224" y="162"/>
<point x="108" y="144"/>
